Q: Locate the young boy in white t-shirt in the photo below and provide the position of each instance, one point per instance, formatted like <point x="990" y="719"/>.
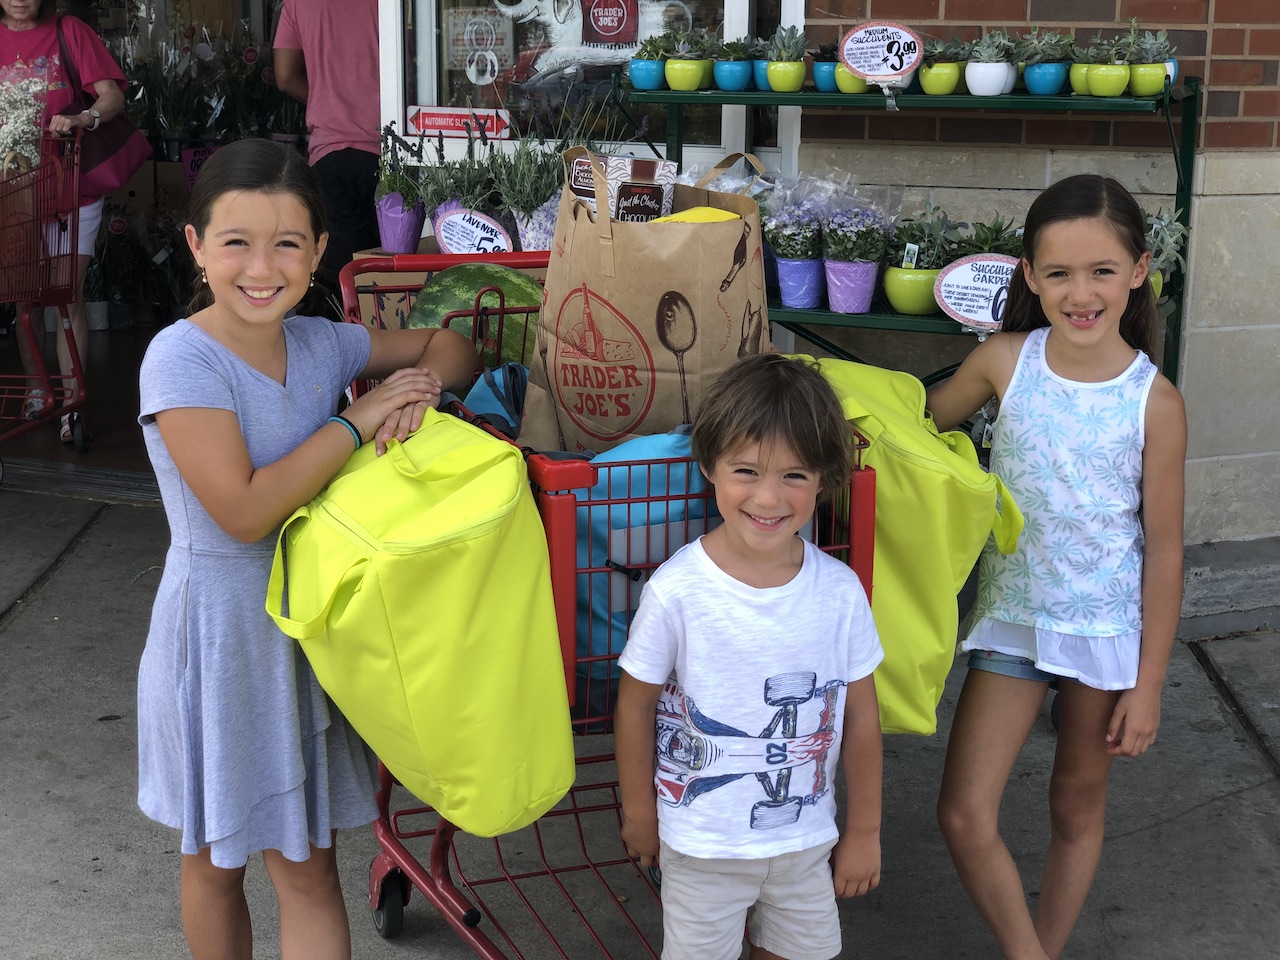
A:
<point x="747" y="672"/>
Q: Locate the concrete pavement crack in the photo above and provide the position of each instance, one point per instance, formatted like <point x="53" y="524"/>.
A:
<point x="38" y="583"/>
<point x="1236" y="707"/>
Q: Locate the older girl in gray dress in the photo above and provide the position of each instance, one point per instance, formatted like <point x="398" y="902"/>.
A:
<point x="239" y="748"/>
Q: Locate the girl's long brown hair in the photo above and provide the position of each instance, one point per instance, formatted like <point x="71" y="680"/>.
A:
<point x="1086" y="196"/>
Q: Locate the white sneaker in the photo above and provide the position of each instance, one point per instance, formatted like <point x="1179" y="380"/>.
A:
<point x="37" y="402"/>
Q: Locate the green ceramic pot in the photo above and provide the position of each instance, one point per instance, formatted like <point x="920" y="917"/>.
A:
<point x="940" y="79"/>
<point x="1146" y="79"/>
<point x="847" y="82"/>
<point x="786" y="76"/>
<point x="1079" y="78"/>
<point x="911" y="291"/>
<point x="1108" y="79"/>
<point x="684" y="74"/>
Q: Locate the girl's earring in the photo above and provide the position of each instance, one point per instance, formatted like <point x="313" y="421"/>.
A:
<point x="204" y="277"/>
<point x="313" y="280"/>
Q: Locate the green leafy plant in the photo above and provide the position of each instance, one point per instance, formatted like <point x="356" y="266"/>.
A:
<point x="995" y="46"/>
<point x="1043" y="47"/>
<point x="787" y="45"/>
<point x="826" y="52"/>
<point x="1166" y="237"/>
<point x="1151" y="48"/>
<point x="1122" y="44"/>
<point x="937" y="50"/>
<point x="683" y="49"/>
<point x="856" y="234"/>
<point x="1096" y="50"/>
<point x="936" y="236"/>
<point x="467" y="180"/>
<point x="995" y="236"/>
<point x="733" y="50"/>
<point x="527" y="177"/>
<point x="961" y="51"/>
<point x="656" y="47"/>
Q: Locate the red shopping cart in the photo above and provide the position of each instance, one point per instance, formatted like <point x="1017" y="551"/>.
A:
<point x="39" y="234"/>
<point x="564" y="886"/>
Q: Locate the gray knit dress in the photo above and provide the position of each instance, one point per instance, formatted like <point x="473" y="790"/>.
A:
<point x="238" y="747"/>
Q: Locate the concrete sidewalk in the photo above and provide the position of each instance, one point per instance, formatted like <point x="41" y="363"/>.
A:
<point x="1191" y="867"/>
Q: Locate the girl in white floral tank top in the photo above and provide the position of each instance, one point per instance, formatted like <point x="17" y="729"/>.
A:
<point x="1090" y="439"/>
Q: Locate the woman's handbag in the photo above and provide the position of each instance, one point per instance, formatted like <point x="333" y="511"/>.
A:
<point x="110" y="155"/>
<point x="419" y="588"/>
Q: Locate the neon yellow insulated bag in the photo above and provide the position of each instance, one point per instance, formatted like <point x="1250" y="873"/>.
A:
<point x="419" y="588"/>
<point x="935" y="508"/>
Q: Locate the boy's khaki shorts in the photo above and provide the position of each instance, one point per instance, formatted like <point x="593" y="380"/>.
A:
<point x="788" y="904"/>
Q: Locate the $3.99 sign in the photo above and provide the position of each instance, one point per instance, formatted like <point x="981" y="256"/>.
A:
<point x="881" y="50"/>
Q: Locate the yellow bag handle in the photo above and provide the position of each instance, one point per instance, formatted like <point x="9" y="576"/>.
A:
<point x="1007" y="526"/>
<point x="300" y="629"/>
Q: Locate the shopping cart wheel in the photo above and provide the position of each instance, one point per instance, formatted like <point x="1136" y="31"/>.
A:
<point x="388" y="918"/>
<point x="79" y="433"/>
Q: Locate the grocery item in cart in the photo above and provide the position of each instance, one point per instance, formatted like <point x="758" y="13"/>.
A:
<point x="457" y="288"/>
<point x="392" y="576"/>
<point x="639" y="317"/>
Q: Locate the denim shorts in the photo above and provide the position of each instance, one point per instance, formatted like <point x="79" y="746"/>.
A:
<point x="1020" y="668"/>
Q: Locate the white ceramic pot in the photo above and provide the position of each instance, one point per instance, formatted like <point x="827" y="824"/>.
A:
<point x="985" y="79"/>
<point x="1011" y="77"/>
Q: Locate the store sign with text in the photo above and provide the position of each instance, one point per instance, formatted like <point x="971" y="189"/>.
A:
<point x="881" y="51"/>
<point x="973" y="289"/>
<point x="453" y="121"/>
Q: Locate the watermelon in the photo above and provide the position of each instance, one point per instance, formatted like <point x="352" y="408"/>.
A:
<point x="455" y="289"/>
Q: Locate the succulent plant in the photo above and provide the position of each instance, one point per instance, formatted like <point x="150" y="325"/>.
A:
<point x="1166" y="236"/>
<point x="1044" y="47"/>
<point x="826" y="52"/>
<point x="1151" y="48"/>
<point x="683" y="49"/>
<point x="937" y="50"/>
<point x="656" y="47"/>
<point x="787" y="45"/>
<point x="935" y="235"/>
<point x="733" y="50"/>
<point x="995" y="46"/>
<point x="995" y="236"/>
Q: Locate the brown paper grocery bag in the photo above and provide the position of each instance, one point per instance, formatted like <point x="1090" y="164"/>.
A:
<point x="639" y="318"/>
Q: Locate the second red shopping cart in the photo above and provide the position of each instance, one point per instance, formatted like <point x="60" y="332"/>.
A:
<point x="563" y="887"/>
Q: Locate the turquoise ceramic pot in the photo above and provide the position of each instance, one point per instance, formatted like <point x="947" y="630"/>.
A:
<point x="824" y="76"/>
<point x="1046" y="79"/>
<point x="760" y="73"/>
<point x="732" y="75"/>
<point x="647" y="74"/>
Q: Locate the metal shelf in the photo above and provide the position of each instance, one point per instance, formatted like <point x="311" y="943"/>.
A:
<point x="1184" y="99"/>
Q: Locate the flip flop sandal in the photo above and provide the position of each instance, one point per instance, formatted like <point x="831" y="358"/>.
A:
<point x="64" y="430"/>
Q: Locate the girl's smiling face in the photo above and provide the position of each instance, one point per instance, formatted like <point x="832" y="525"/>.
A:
<point x="258" y="253"/>
<point x="1083" y="275"/>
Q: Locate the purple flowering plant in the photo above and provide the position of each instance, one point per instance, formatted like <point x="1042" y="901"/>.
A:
<point x="794" y="232"/>
<point x="856" y="233"/>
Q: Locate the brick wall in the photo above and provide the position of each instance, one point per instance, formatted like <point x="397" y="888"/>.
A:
<point x="1233" y="45"/>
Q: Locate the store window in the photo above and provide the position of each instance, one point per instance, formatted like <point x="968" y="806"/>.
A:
<point x="541" y="60"/>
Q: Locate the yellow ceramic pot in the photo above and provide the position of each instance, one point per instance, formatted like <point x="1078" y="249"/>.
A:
<point x="1079" y="79"/>
<point x="911" y="291"/>
<point x="1108" y="79"/>
<point x="786" y="76"/>
<point x="847" y="82"/>
<point x="1146" y="79"/>
<point x="683" y="74"/>
<point x="940" y="79"/>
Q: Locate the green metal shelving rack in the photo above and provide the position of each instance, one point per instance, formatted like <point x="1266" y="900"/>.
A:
<point x="1185" y="99"/>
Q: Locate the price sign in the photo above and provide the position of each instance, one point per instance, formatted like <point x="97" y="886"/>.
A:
<point x="880" y="51"/>
<point x="973" y="289"/>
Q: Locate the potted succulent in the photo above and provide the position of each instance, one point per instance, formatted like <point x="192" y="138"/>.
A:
<point x="940" y="74"/>
<point x="684" y="66"/>
<point x="1047" y="56"/>
<point x="962" y="50"/>
<point x="990" y="60"/>
<point x="1166" y="236"/>
<point x="649" y="63"/>
<point x="794" y="234"/>
<point x="1148" y="64"/>
<point x="824" y="67"/>
<point x="853" y="245"/>
<point x="1082" y="58"/>
<point x="1109" y="77"/>
<point x="760" y="63"/>
<point x="400" y="208"/>
<point x="705" y="43"/>
<point x="786" y="69"/>
<point x="732" y="66"/>
<point x="997" y="235"/>
<point x="919" y="249"/>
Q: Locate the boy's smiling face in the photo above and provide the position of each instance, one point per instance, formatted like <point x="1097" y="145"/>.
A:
<point x="766" y="496"/>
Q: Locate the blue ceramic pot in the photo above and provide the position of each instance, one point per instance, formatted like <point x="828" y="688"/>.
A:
<point x="1046" y="79"/>
<point x="733" y="75"/>
<point x="824" y="76"/>
<point x="800" y="283"/>
<point x="647" y="74"/>
<point x="760" y="73"/>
